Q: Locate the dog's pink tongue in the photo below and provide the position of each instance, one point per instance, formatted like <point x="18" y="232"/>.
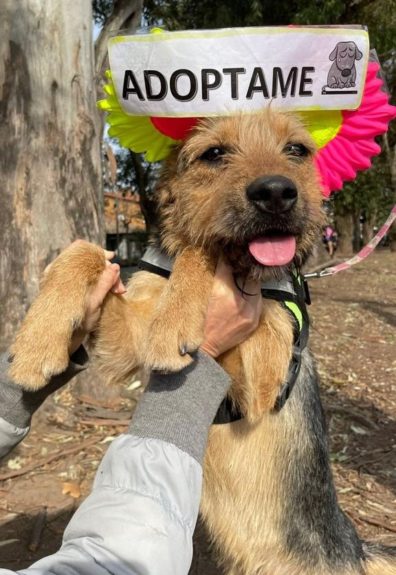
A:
<point x="273" y="250"/>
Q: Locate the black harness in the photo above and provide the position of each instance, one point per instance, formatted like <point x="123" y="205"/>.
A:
<point x="292" y="293"/>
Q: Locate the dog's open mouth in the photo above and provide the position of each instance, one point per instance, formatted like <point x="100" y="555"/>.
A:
<point x="273" y="249"/>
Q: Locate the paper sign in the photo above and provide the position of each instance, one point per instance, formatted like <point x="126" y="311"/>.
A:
<point x="217" y="72"/>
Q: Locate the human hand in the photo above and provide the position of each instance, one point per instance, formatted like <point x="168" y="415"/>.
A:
<point x="231" y="316"/>
<point x="109" y="281"/>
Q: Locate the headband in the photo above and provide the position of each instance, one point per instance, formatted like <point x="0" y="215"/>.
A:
<point x="345" y="138"/>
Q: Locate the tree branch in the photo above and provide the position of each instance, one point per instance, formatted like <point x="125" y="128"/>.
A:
<point x="126" y="15"/>
<point x="391" y="158"/>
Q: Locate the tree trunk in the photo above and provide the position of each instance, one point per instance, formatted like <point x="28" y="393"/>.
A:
<point x="391" y="156"/>
<point x="126" y="15"/>
<point x="50" y="174"/>
<point x="357" y="240"/>
<point x="146" y="200"/>
<point x="344" y="228"/>
<point x="368" y="227"/>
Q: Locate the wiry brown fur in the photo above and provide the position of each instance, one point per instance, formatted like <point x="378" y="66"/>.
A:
<point x="254" y="469"/>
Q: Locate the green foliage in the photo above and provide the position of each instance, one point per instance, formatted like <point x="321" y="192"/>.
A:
<point x="378" y="15"/>
<point x="205" y="14"/>
<point x="101" y="10"/>
<point x="316" y="12"/>
<point x="370" y="195"/>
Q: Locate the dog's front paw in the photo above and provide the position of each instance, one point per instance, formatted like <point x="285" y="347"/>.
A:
<point x="171" y="342"/>
<point x="32" y="366"/>
<point x="41" y="348"/>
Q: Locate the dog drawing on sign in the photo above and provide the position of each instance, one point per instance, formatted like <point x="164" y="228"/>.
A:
<point x="244" y="187"/>
<point x="342" y="73"/>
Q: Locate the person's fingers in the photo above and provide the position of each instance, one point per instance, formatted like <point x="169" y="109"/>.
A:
<point x="251" y="286"/>
<point x="109" y="255"/>
<point x="118" y="288"/>
<point x="109" y="278"/>
<point x="224" y="272"/>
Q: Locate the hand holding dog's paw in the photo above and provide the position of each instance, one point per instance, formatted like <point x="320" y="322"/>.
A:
<point x="72" y="291"/>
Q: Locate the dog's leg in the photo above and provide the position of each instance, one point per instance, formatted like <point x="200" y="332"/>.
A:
<point x="41" y="347"/>
<point x="265" y="358"/>
<point x="177" y="328"/>
<point x="121" y="338"/>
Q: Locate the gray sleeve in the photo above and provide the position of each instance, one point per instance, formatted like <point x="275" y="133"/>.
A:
<point x="197" y="391"/>
<point x="17" y="405"/>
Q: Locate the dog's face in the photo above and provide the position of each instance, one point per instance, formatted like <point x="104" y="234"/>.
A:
<point x="345" y="54"/>
<point x="245" y="186"/>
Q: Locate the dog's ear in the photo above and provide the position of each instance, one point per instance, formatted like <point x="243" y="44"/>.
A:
<point x="334" y="53"/>
<point x="358" y="53"/>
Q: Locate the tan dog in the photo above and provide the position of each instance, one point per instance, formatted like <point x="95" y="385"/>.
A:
<point x="245" y="187"/>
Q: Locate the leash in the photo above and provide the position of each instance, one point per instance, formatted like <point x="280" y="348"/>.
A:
<point x="360" y="256"/>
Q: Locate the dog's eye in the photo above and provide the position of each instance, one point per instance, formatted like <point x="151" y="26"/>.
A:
<point x="213" y="154"/>
<point x="296" y="150"/>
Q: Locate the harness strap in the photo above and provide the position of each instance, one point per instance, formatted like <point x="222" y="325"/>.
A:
<point x="156" y="262"/>
<point x="296" y="307"/>
<point x="148" y="267"/>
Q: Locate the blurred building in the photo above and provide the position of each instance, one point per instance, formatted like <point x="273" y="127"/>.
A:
<point x="125" y="226"/>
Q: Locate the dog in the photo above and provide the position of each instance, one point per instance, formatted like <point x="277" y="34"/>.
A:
<point x="342" y="73"/>
<point x="245" y="187"/>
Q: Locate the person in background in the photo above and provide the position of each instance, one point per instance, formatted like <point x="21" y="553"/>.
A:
<point x="329" y="237"/>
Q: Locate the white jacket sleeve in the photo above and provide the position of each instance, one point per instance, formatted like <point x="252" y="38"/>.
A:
<point x="139" y="518"/>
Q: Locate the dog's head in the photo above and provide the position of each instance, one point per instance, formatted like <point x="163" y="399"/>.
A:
<point x="345" y="54"/>
<point x="245" y="186"/>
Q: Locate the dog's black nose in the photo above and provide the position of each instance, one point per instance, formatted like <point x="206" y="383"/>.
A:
<point x="273" y="194"/>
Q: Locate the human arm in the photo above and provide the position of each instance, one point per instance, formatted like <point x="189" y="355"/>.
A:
<point x="140" y="517"/>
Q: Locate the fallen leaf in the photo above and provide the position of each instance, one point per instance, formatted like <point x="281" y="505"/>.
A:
<point x="134" y="385"/>
<point x="72" y="489"/>
<point x="108" y="439"/>
<point x="16" y="463"/>
<point x="359" y="430"/>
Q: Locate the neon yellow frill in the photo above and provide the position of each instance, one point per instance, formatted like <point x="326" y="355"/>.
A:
<point x="134" y="132"/>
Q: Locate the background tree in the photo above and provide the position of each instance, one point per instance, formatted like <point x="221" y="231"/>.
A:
<point x="50" y="166"/>
<point x="50" y="177"/>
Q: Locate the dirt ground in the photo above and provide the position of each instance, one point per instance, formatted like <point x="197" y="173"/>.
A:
<point x="353" y="336"/>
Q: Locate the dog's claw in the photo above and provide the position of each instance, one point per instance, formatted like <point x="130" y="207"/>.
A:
<point x="183" y="349"/>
